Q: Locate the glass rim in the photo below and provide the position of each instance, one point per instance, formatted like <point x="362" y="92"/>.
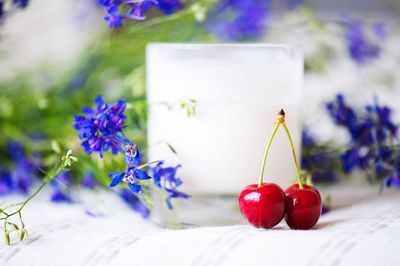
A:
<point x="218" y="46"/>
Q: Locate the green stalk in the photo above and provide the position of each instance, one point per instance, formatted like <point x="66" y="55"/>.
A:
<point x="66" y="162"/>
<point x="147" y="164"/>
<point x="158" y="20"/>
<point x="50" y="177"/>
<point x="260" y="180"/>
<point x="299" y="181"/>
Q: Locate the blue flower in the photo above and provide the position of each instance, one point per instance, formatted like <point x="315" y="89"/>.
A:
<point x="132" y="155"/>
<point x="363" y="133"/>
<point x="341" y="113"/>
<point x="60" y="184"/>
<point x="113" y="18"/>
<point x="393" y="180"/>
<point x="165" y="178"/>
<point x="21" y="3"/>
<point x="321" y="165"/>
<point x="107" y="117"/>
<point x="325" y="209"/>
<point x="350" y="159"/>
<point x="385" y="153"/>
<point x="23" y="176"/>
<point x="24" y="169"/>
<point x="64" y="178"/>
<point x="374" y="125"/>
<point x="382" y="115"/>
<point x="360" y="48"/>
<point x="119" y="10"/>
<point x="130" y="177"/>
<point x="60" y="188"/>
<point x="307" y="140"/>
<point x="6" y="182"/>
<point x="344" y="115"/>
<point x="238" y="19"/>
<point x="86" y="127"/>
<point x="397" y="161"/>
<point x="168" y="7"/>
<point x="133" y="159"/>
<point x="60" y="196"/>
<point x="134" y="203"/>
<point x="371" y="132"/>
<point x="89" y="180"/>
<point x="100" y="128"/>
<point x="16" y="4"/>
<point x="324" y="175"/>
<point x="15" y="150"/>
<point x="1" y="11"/>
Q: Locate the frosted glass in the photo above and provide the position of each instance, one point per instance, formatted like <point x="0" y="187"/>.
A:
<point x="238" y="89"/>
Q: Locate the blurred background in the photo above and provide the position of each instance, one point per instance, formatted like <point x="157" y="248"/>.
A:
<point x="50" y="42"/>
<point x="56" y="56"/>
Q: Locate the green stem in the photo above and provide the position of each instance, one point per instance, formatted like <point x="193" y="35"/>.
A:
<point x="147" y="164"/>
<point x="20" y="219"/>
<point x="33" y="195"/>
<point x="47" y="180"/>
<point x="66" y="161"/>
<point x="299" y="181"/>
<point x="11" y="205"/>
<point x="260" y="180"/>
<point x="158" y="20"/>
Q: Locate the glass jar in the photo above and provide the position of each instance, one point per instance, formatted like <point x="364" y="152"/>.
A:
<point x="216" y="104"/>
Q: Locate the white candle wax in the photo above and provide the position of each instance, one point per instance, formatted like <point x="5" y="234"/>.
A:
<point x="239" y="89"/>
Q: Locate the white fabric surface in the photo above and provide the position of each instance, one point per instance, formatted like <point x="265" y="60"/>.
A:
<point x="363" y="229"/>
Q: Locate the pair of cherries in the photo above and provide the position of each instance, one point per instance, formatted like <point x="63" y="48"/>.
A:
<point x="265" y="204"/>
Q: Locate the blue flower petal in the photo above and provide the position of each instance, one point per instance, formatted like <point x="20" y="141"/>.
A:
<point x="116" y="178"/>
<point x="169" y="203"/>
<point x="59" y="196"/>
<point x="135" y="188"/>
<point x="100" y="129"/>
<point x="87" y="110"/>
<point x="123" y="139"/>
<point x="142" y="175"/>
<point x="165" y="178"/>
<point x="134" y="203"/>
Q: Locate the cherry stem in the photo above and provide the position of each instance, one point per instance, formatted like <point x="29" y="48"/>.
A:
<point x="260" y="180"/>
<point x="299" y="181"/>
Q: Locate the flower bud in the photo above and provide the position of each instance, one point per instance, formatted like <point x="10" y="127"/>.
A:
<point x="21" y="234"/>
<point x="7" y="238"/>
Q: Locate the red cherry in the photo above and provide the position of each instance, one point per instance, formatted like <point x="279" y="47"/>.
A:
<point x="262" y="206"/>
<point x="302" y="207"/>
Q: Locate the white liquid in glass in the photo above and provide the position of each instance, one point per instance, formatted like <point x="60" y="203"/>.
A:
<point x="239" y="89"/>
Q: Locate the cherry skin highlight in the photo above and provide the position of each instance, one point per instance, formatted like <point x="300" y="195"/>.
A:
<point x="302" y="207"/>
<point x="263" y="207"/>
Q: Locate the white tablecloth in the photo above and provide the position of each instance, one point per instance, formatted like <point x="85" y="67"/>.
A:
<point x="363" y="229"/>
